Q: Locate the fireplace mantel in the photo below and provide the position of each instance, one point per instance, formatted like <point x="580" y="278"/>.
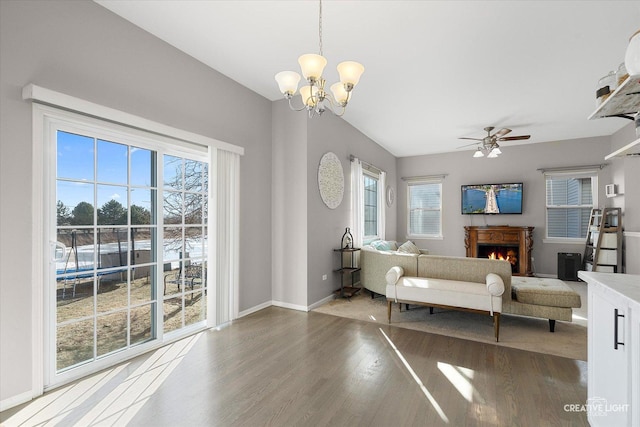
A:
<point x="505" y="235"/>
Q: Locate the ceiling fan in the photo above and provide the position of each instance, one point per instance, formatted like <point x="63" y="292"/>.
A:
<point x="489" y="144"/>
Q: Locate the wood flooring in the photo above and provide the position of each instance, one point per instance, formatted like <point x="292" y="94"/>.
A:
<point x="280" y="367"/>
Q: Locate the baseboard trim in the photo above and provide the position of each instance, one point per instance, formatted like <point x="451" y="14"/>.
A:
<point x="16" y="400"/>
<point x="255" y="308"/>
<point x="290" y="306"/>
<point x="286" y="305"/>
<point x="323" y="301"/>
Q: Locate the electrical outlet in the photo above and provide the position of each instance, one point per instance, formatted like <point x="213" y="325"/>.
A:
<point x="324" y="277"/>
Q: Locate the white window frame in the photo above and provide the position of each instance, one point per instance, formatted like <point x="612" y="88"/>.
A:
<point x="412" y="182"/>
<point x="55" y="120"/>
<point x="366" y="173"/>
<point x="576" y="174"/>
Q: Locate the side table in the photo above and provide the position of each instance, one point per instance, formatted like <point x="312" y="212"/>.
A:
<point x="348" y="270"/>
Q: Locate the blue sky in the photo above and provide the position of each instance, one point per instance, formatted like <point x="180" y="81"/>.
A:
<point x="75" y="161"/>
<point x="96" y="171"/>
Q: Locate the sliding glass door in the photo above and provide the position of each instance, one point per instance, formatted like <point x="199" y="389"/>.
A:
<point x="129" y="240"/>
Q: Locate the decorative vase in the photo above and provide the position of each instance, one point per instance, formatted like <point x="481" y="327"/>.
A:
<point x="632" y="57"/>
<point x="347" y="240"/>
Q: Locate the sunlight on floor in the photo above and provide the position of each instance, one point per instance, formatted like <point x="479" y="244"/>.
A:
<point x="417" y="379"/>
<point x="118" y="405"/>
<point x="460" y="378"/>
<point x="371" y="316"/>
<point x="55" y="405"/>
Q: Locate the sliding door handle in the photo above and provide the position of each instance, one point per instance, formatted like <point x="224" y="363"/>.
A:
<point x="59" y="251"/>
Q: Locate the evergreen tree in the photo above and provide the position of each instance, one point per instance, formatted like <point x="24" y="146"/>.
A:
<point x="64" y="215"/>
<point x="140" y="215"/>
<point x="112" y="213"/>
<point x="82" y="214"/>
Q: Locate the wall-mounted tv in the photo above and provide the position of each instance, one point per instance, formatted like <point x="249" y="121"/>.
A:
<point x="492" y="198"/>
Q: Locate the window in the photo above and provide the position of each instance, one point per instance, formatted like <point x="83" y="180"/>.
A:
<point x="425" y="209"/>
<point x="367" y="204"/>
<point x="370" y="185"/>
<point x="570" y="198"/>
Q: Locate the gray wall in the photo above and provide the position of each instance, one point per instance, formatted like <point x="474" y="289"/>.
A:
<point x="516" y="164"/>
<point x="626" y="175"/>
<point x="289" y="207"/>
<point x="326" y="226"/>
<point x="305" y="230"/>
<point x="84" y="50"/>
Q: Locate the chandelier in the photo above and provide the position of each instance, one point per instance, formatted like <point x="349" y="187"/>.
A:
<point x="313" y="95"/>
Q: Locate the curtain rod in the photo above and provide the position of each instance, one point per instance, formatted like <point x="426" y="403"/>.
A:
<point x="368" y="165"/>
<point x="573" y="168"/>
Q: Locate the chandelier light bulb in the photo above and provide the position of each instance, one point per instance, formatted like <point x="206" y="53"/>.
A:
<point x="350" y="72"/>
<point x="478" y="153"/>
<point x="492" y="155"/>
<point x="288" y="82"/>
<point x="309" y="95"/>
<point x="496" y="150"/>
<point x="340" y="95"/>
<point x="312" y="66"/>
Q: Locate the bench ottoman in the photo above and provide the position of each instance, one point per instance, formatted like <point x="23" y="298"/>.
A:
<point x="542" y="291"/>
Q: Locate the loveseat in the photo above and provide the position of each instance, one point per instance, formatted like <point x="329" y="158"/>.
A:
<point x="544" y="298"/>
<point x="375" y="263"/>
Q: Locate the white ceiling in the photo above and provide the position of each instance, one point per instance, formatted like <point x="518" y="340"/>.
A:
<point x="434" y="70"/>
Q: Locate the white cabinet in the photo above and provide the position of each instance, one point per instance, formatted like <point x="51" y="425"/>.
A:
<point x="613" y="349"/>
<point x="608" y="358"/>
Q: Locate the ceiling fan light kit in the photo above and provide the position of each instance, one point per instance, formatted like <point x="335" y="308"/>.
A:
<point x="314" y="98"/>
<point x="488" y="146"/>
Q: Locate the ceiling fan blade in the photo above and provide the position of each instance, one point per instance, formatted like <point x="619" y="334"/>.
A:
<point x="502" y="132"/>
<point x="514" y="138"/>
<point x="468" y="145"/>
<point x="473" y="139"/>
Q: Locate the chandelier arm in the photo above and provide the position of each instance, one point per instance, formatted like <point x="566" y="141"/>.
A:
<point x="332" y="105"/>
<point x="348" y="99"/>
<point x="294" y="108"/>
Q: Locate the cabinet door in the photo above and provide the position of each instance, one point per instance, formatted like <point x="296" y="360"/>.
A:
<point x="609" y="385"/>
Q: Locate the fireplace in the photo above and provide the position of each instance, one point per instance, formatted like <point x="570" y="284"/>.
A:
<point x="513" y="244"/>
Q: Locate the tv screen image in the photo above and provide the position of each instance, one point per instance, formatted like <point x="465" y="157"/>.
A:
<point x="492" y="198"/>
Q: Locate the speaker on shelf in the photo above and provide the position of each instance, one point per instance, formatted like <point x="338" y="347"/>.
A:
<point x="568" y="265"/>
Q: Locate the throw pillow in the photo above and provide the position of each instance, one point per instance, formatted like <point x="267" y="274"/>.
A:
<point x="409" y="247"/>
<point x="384" y="245"/>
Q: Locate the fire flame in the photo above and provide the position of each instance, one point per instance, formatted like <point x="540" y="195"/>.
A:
<point x="509" y="257"/>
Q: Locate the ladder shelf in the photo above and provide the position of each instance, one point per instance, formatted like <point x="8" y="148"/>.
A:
<point x="603" y="248"/>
